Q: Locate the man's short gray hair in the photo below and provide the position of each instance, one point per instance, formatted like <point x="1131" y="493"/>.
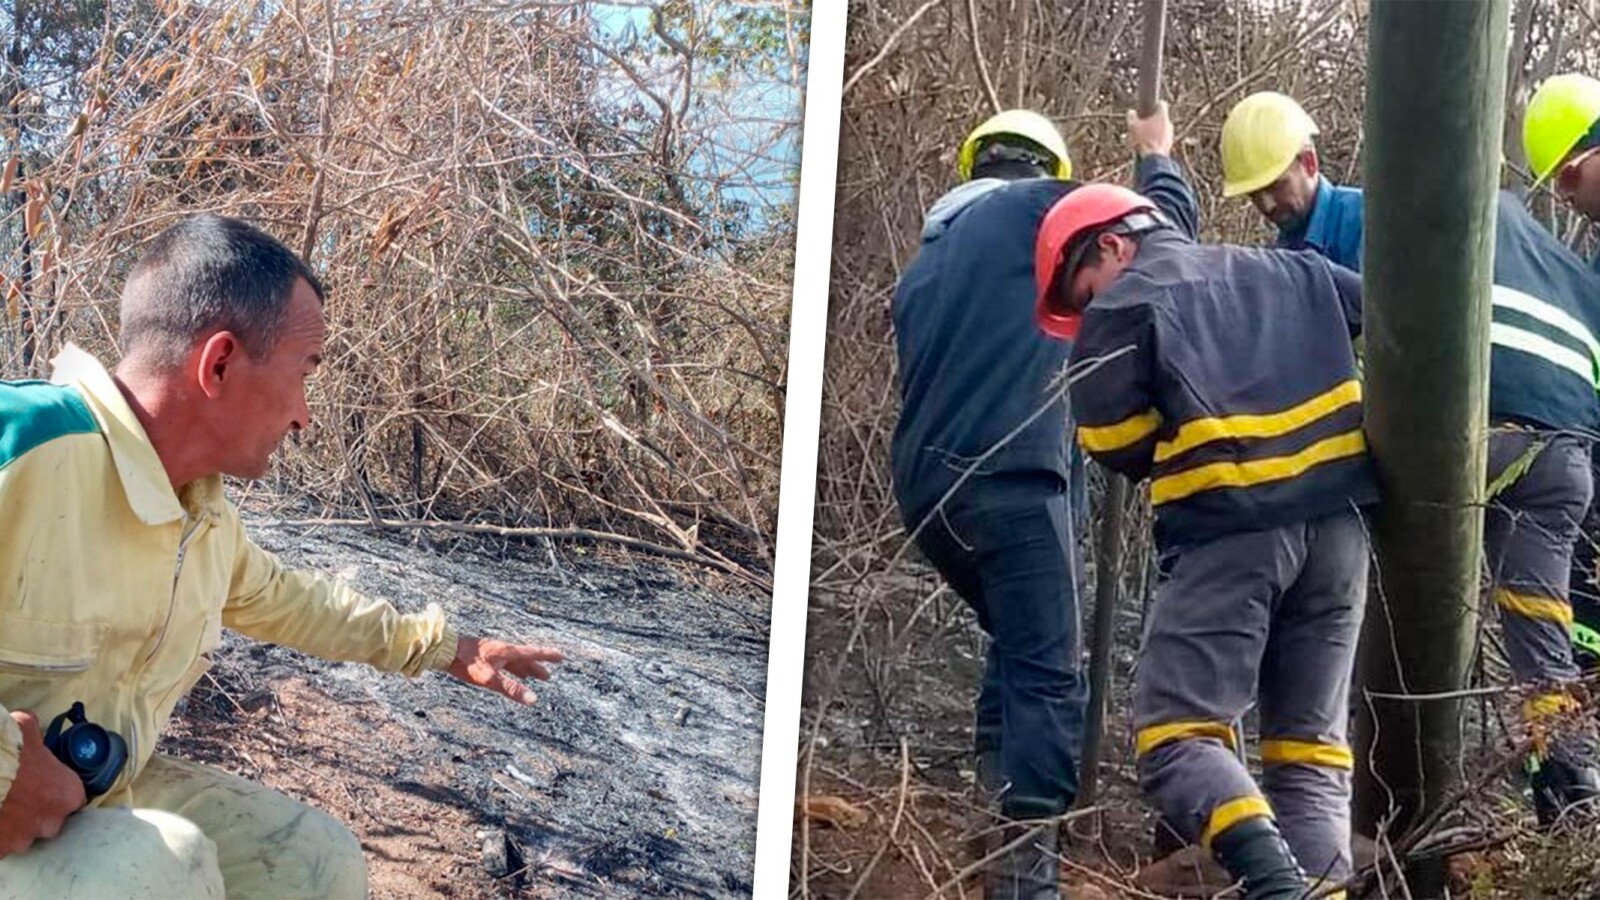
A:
<point x="206" y="274"/>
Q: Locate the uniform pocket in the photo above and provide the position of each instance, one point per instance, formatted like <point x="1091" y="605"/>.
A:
<point x="38" y="647"/>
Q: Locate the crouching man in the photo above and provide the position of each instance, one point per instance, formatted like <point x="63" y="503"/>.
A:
<point x="1227" y="376"/>
<point x="121" y="560"/>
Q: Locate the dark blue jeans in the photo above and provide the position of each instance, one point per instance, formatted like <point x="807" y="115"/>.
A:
<point x="1005" y="545"/>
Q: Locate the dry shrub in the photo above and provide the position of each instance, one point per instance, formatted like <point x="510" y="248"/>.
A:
<point x="557" y="237"/>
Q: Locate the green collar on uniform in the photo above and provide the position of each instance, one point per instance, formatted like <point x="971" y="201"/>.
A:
<point x="144" y="478"/>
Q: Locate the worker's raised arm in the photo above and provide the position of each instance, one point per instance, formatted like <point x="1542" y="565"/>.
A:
<point x="1157" y="175"/>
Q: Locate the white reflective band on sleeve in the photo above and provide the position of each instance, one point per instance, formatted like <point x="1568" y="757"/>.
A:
<point x="1529" y="305"/>
<point x="1544" y="348"/>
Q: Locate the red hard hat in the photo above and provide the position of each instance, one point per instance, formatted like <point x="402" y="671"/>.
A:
<point x="1084" y="209"/>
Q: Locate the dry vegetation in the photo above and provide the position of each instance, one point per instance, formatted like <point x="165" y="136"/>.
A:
<point x="557" y="236"/>
<point x="894" y="658"/>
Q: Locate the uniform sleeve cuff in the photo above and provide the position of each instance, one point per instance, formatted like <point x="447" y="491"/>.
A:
<point x="10" y="752"/>
<point x="443" y="653"/>
<point x="1151" y="164"/>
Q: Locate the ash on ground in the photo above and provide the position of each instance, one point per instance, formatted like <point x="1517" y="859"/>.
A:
<point x="636" y="772"/>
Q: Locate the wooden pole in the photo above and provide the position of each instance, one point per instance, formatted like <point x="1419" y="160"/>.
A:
<point x="1435" y="90"/>
<point x="1113" y="511"/>
<point x="1155" y="29"/>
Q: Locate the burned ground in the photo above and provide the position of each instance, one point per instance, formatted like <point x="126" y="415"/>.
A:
<point x="886" y="764"/>
<point x="635" y="773"/>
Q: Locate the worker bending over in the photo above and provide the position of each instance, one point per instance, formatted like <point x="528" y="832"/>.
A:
<point x="1268" y="155"/>
<point x="1226" y="375"/>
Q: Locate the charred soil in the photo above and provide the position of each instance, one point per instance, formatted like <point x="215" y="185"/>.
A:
<point x="635" y="773"/>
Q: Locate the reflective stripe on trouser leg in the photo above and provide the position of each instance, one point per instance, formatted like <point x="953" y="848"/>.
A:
<point x="267" y="844"/>
<point x="1199" y="787"/>
<point x="1206" y="632"/>
<point x="1529" y="532"/>
<point x="1310" y="791"/>
<point x="142" y="854"/>
<point x="1305" y="685"/>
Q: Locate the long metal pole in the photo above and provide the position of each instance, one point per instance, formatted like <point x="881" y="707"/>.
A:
<point x="1113" y="511"/>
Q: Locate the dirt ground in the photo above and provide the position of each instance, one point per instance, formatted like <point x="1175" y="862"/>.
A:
<point x="888" y="809"/>
<point x="904" y="716"/>
<point x="636" y="773"/>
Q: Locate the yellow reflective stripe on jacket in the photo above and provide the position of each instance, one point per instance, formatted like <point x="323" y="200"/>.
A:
<point x="1155" y="735"/>
<point x="1232" y="813"/>
<point x="1555" y="317"/>
<point x="1110" y="438"/>
<point x="1204" y="431"/>
<point x="1545" y="609"/>
<point x="1284" y="751"/>
<point x="1545" y="706"/>
<point x="1183" y="484"/>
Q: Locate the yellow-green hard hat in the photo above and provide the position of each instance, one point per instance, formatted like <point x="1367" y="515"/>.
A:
<point x="1262" y="135"/>
<point x="1023" y="123"/>
<point x="1561" y="112"/>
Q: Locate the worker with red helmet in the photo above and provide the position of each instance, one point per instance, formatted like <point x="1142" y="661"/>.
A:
<point x="1226" y="375"/>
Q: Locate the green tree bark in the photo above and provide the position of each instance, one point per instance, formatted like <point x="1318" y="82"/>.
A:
<point x="1435" y="95"/>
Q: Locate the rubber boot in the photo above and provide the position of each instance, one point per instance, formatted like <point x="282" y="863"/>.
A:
<point x="1255" y="854"/>
<point x="1032" y="870"/>
<point x="1565" y="781"/>
<point x="1165" y="840"/>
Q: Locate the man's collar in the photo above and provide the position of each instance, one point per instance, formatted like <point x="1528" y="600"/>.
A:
<point x="144" y="478"/>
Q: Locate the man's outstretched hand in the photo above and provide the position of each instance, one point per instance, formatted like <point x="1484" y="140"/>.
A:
<point x="491" y="664"/>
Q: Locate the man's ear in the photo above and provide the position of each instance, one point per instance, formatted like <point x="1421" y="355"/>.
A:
<point x="1309" y="162"/>
<point x="1118" y="247"/>
<point x="211" y="366"/>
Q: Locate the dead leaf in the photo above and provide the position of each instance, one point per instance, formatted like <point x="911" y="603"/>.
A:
<point x="33" y="213"/>
<point x="10" y="173"/>
<point x="835" y="811"/>
<point x="388" y="227"/>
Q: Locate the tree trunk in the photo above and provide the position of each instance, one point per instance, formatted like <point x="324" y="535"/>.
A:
<point x="1517" y="61"/>
<point x="1435" y="89"/>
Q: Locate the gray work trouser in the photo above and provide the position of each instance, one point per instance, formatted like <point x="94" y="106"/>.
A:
<point x="1274" y="613"/>
<point x="1529" y="531"/>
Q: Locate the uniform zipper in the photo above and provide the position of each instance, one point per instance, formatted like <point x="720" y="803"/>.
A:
<point x="191" y="529"/>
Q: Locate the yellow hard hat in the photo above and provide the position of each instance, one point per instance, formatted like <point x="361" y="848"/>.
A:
<point x="1262" y="135"/>
<point x="1561" y="112"/>
<point x="1023" y="123"/>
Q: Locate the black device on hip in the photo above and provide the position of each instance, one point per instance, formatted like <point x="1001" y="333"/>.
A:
<point x="93" y="753"/>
